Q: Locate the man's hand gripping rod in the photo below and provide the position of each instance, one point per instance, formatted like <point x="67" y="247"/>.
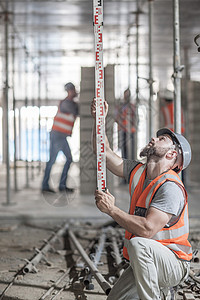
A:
<point x="99" y="93"/>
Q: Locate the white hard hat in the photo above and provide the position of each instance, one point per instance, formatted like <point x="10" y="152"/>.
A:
<point x="185" y="155"/>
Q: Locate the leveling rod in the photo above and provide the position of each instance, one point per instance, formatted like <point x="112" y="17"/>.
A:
<point x="99" y="94"/>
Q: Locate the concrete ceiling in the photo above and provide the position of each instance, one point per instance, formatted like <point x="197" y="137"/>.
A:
<point x="58" y="36"/>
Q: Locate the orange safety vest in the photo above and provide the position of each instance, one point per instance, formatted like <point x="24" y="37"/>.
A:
<point x="125" y="115"/>
<point x="174" y="237"/>
<point x="168" y="114"/>
<point x="63" y="122"/>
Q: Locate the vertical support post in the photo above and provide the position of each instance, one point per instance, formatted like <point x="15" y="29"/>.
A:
<point x="27" y="117"/>
<point x="19" y="68"/>
<point x="151" y="125"/>
<point x="137" y="80"/>
<point x="32" y="127"/>
<point x="46" y="101"/>
<point x="32" y="144"/>
<point x="186" y="92"/>
<point x="7" y="106"/>
<point x="14" y="111"/>
<point x="177" y="72"/>
<point x="128" y="135"/>
<point x="39" y="125"/>
<point x="186" y="106"/>
<point x="14" y="103"/>
<point x="20" y="133"/>
<point x="129" y="59"/>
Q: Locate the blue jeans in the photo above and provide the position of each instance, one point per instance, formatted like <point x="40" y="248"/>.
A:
<point x="58" y="142"/>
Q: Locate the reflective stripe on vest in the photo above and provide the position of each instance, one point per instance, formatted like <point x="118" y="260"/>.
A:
<point x="63" y="122"/>
<point x="174" y="237"/>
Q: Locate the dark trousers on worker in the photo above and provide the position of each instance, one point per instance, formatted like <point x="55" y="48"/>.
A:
<point x="58" y="142"/>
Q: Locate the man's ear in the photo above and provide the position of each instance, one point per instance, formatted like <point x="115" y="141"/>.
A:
<point x="171" y="154"/>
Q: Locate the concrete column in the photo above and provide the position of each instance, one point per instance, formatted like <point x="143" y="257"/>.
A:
<point x="87" y="158"/>
<point x="88" y="182"/>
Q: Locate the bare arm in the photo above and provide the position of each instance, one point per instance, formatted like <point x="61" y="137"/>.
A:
<point x="113" y="161"/>
<point x="146" y="227"/>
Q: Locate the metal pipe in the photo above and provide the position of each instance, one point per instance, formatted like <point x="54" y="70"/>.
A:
<point x="27" y="118"/>
<point x="137" y="80"/>
<point x="177" y="68"/>
<point x="14" y="111"/>
<point x="7" y="107"/>
<point x="46" y="102"/>
<point x="151" y="125"/>
<point x="96" y="258"/>
<point x="100" y="279"/>
<point x="55" y="285"/>
<point x="44" y="249"/>
<point x="115" y="248"/>
<point x="32" y="144"/>
<point x="128" y="136"/>
<point x="129" y="59"/>
<point x="186" y="107"/>
<point x="39" y="125"/>
<point x="20" y="134"/>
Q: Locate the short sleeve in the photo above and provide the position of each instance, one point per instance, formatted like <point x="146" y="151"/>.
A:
<point x="128" y="166"/>
<point x="169" y="198"/>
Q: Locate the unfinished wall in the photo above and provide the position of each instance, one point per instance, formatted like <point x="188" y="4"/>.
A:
<point x="87" y="158"/>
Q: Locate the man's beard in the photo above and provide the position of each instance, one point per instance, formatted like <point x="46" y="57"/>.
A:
<point x="150" y="151"/>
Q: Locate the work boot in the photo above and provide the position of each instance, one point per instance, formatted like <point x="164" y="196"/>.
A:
<point x="48" y="190"/>
<point x="66" y="190"/>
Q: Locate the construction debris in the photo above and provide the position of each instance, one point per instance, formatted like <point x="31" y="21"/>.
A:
<point x="78" y="261"/>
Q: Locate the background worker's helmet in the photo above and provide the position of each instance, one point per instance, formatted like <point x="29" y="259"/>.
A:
<point x="184" y="153"/>
<point x="69" y="86"/>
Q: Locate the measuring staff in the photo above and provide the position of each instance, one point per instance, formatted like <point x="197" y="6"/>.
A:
<point x="99" y="94"/>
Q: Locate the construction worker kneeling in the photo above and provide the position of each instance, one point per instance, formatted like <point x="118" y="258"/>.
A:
<point x="156" y="239"/>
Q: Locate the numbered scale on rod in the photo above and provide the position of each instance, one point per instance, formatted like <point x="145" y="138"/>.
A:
<point x="99" y="94"/>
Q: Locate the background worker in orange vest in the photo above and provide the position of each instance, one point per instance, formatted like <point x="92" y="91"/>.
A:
<point x="125" y="118"/>
<point x="156" y="238"/>
<point x="167" y="108"/>
<point x="62" y="128"/>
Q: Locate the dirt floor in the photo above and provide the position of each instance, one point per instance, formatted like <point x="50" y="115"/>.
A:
<point x="61" y="273"/>
<point x="21" y="242"/>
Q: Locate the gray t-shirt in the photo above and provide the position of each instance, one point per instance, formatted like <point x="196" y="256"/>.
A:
<point x="69" y="106"/>
<point x="168" y="198"/>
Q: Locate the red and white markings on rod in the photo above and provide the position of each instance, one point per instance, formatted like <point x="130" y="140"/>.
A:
<point x="99" y="94"/>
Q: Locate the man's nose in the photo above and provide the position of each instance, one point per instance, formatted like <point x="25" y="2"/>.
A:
<point x="154" y="140"/>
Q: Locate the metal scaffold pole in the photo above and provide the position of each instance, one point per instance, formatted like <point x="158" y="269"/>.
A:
<point x="186" y="91"/>
<point x="27" y="118"/>
<point x="33" y="74"/>
<point x="137" y="79"/>
<point x="129" y="59"/>
<point x="46" y="104"/>
<point x="151" y="125"/>
<point x="39" y="123"/>
<point x="186" y="107"/>
<point x="7" y="108"/>
<point x="14" y="111"/>
<point x="177" y="68"/>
